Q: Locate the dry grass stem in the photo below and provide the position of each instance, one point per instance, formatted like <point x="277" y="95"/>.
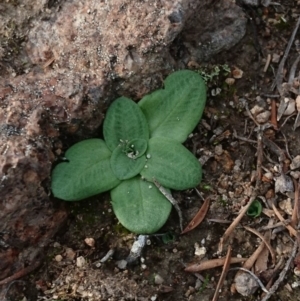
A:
<point x="289" y="227"/>
<point x="213" y="263"/>
<point x="234" y="224"/>
<point x="223" y="275"/>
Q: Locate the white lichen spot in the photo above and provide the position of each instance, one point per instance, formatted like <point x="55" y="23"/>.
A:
<point x="150" y="186"/>
<point x="146" y="166"/>
<point x="148" y="156"/>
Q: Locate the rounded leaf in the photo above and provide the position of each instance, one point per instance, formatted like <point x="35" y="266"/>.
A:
<point x="140" y="206"/>
<point x="86" y="172"/>
<point x="125" y="167"/>
<point x="124" y="121"/>
<point x="175" y="110"/>
<point x="171" y="164"/>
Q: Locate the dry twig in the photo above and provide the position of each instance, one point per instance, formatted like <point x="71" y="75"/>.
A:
<point x="223" y="275"/>
<point x="210" y="264"/>
<point x="234" y="224"/>
<point x="289" y="227"/>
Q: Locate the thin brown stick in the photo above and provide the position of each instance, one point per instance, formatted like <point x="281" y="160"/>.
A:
<point x="272" y="252"/>
<point x="211" y="264"/>
<point x="223" y="275"/>
<point x="268" y="61"/>
<point x="23" y="272"/>
<point x="274" y="114"/>
<point x="251" y="260"/>
<point x="289" y="227"/>
<point x="234" y="224"/>
<point x="259" y="159"/>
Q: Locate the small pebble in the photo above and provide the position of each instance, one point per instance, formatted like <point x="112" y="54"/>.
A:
<point x="90" y="242"/>
<point x="237" y="73"/>
<point x="295" y="162"/>
<point x="158" y="279"/>
<point x="58" y="258"/>
<point x="229" y="81"/>
<point x="56" y="245"/>
<point x="263" y="117"/>
<point x="70" y="253"/>
<point x="121" y="264"/>
<point x="80" y="262"/>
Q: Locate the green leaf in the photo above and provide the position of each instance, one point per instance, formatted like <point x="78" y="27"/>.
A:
<point x="175" y="110"/>
<point x="255" y="209"/>
<point x="86" y="173"/>
<point x="124" y="121"/>
<point x="139" y="206"/>
<point x="123" y="166"/>
<point x="134" y="148"/>
<point x="171" y="164"/>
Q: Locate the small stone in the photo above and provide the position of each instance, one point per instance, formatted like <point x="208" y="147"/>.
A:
<point x="295" y="174"/>
<point x="286" y="206"/>
<point x="263" y="117"/>
<point x="256" y="110"/>
<point x="199" y="251"/>
<point x="297" y="271"/>
<point x="158" y="279"/>
<point x="58" y="258"/>
<point x="291" y="108"/>
<point x="229" y="81"/>
<point x="121" y="264"/>
<point x="70" y="254"/>
<point x="216" y="91"/>
<point x="237" y="73"/>
<point x="153" y="298"/>
<point x="295" y="162"/>
<point x="56" y="245"/>
<point x="80" y="262"/>
<point x="90" y="242"/>
<point x="275" y="58"/>
<point x="219" y="150"/>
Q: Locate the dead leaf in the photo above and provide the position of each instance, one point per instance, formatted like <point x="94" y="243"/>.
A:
<point x="198" y="217"/>
<point x="261" y="264"/>
<point x="283" y="184"/>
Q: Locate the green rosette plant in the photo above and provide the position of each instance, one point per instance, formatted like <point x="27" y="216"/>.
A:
<point x="142" y="144"/>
